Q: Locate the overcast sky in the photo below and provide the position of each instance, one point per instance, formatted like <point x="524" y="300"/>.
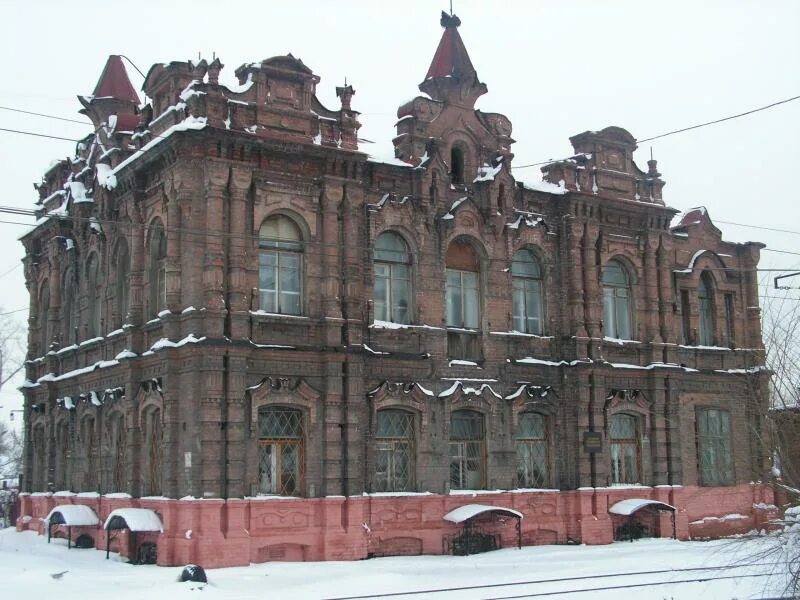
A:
<point x="554" y="68"/>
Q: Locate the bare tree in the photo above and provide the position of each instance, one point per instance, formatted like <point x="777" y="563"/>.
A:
<point x="10" y="451"/>
<point x="12" y="347"/>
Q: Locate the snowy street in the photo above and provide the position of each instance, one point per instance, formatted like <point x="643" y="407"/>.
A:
<point x="30" y="569"/>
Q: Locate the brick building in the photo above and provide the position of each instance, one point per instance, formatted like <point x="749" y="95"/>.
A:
<point x="290" y="350"/>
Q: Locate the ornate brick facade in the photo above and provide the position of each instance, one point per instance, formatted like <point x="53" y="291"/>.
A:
<point x="216" y="312"/>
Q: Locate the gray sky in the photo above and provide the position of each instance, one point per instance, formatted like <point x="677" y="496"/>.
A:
<point x="554" y="68"/>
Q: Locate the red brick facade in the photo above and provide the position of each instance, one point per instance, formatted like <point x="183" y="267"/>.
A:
<point x="152" y="359"/>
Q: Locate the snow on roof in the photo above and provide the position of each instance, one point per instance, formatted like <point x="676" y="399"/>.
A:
<point x="545" y="186"/>
<point x="137" y="519"/>
<point x="463" y="513"/>
<point x="631" y="505"/>
<point x="74" y="515"/>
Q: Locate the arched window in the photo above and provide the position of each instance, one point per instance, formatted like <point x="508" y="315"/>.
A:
<point x="88" y="437"/>
<point x="616" y="301"/>
<point x="157" y="274"/>
<point x="281" y="452"/>
<point x="62" y="454"/>
<point x="123" y="282"/>
<point x="280" y="266"/>
<point x="456" y="164"/>
<point x="623" y="433"/>
<point x="94" y="284"/>
<point x="533" y="464"/>
<point x="392" y="291"/>
<point x="705" y="301"/>
<point x="394" y="451"/>
<point x="526" y="278"/>
<point x="119" y="445"/>
<point x="467" y="450"/>
<point x="69" y="308"/>
<point x="153" y="432"/>
<point x="44" y="317"/>
<point x="714" y="459"/>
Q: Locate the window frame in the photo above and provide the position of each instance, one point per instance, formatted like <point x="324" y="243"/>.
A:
<point x="715" y="474"/>
<point x="618" y="475"/>
<point x="390" y="482"/>
<point x="528" y="297"/>
<point x="157" y="272"/>
<point x="281" y="251"/>
<point x="526" y="479"/>
<point x="276" y="445"/>
<point x="706" y="330"/>
<point x="460" y="449"/>
<point x="613" y="305"/>
<point x="392" y="282"/>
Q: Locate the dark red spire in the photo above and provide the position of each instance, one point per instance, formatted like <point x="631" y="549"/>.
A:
<point x="114" y="82"/>
<point x="451" y="58"/>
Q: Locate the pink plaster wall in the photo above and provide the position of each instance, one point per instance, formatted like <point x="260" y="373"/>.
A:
<point x="219" y="533"/>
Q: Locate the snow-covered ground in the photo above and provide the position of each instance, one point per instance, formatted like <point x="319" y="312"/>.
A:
<point x="30" y="570"/>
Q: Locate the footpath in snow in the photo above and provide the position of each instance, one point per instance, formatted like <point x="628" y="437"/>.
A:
<point x="32" y="569"/>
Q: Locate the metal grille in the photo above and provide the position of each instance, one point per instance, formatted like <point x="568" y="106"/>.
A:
<point x="714" y="447"/>
<point x="281" y="451"/>
<point x="467" y="450"/>
<point x="394" y="461"/>
<point x="624" y="449"/>
<point x="532" y="451"/>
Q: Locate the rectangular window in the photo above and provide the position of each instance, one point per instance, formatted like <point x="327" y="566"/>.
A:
<point x="715" y="464"/>
<point x="532" y="461"/>
<point x="280" y="451"/>
<point x="279" y="282"/>
<point x="467" y="448"/>
<point x="527" y="309"/>
<point x="462" y="299"/>
<point x="686" y="327"/>
<point x="394" y="451"/>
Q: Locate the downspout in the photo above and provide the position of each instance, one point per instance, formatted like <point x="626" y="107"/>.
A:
<point x="345" y="340"/>
<point x="226" y="373"/>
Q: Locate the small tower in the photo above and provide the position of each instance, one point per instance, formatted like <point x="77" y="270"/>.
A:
<point x="451" y="77"/>
<point x="113" y="95"/>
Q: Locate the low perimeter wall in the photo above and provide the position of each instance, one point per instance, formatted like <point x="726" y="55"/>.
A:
<point x="222" y="533"/>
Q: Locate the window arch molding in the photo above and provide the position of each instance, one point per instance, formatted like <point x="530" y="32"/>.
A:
<point x="528" y="282"/>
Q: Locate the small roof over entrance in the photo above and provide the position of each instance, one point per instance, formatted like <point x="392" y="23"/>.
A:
<point x="72" y="515"/>
<point x="631" y="505"/>
<point x="468" y="511"/>
<point x="134" y="519"/>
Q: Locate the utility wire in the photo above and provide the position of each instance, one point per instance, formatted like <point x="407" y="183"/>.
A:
<point x="683" y="129"/>
<point x="45" y="115"/>
<point x="553" y="580"/>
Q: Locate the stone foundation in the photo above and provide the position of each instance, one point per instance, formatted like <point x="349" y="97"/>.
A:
<point x="220" y="533"/>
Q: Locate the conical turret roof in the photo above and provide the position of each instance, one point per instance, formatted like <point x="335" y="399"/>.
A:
<point x="451" y="58"/>
<point x="114" y="82"/>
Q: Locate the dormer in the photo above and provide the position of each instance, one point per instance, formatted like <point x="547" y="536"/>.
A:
<point x="603" y="165"/>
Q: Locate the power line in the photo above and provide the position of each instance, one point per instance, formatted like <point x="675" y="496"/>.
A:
<point x="45" y="115"/>
<point x="42" y="135"/>
<point x="683" y="129"/>
<point x="758" y="227"/>
<point x="556" y="580"/>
